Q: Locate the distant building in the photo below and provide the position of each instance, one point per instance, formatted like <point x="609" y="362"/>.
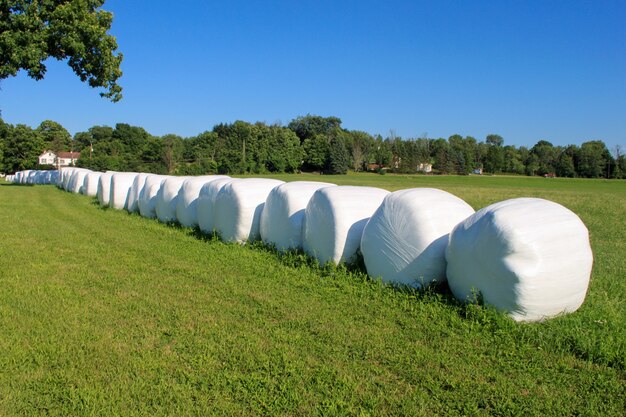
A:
<point x="478" y="171"/>
<point x="63" y="159"/>
<point x="425" y="168"/>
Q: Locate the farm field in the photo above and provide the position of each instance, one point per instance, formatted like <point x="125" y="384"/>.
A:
<point x="106" y="313"/>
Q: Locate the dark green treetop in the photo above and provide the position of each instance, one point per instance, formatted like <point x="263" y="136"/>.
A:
<point x="32" y="31"/>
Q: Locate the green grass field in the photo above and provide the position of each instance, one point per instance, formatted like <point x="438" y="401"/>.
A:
<point x="106" y="313"/>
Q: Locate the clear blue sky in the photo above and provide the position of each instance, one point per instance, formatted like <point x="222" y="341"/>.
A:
<point x="527" y="70"/>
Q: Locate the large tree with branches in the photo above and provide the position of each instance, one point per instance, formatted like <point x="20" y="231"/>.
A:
<point x="76" y="31"/>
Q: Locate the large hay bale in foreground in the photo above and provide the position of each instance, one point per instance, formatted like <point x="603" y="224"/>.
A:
<point x="528" y="257"/>
<point x="404" y="242"/>
<point x="238" y="208"/>
<point x="283" y="214"/>
<point x="90" y="183"/>
<point x="187" y="200"/>
<point x="148" y="195"/>
<point x="205" y="206"/>
<point x="167" y="197"/>
<point x="121" y="183"/>
<point x="334" y="220"/>
<point x="104" y="188"/>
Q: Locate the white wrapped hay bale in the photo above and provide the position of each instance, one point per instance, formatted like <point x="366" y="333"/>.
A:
<point x="47" y="177"/>
<point x="54" y="177"/>
<point x="334" y="220"/>
<point x="404" y="242"/>
<point x="167" y="197"/>
<point x="67" y="177"/>
<point x="283" y="214"/>
<point x="121" y="182"/>
<point x="238" y="208"/>
<point x="40" y="177"/>
<point x="104" y="188"/>
<point x="23" y="176"/>
<point x="187" y="200"/>
<point x="205" y="206"/>
<point x="148" y="195"/>
<point x="135" y="190"/>
<point x="76" y="180"/>
<point x="528" y="257"/>
<point x="32" y="176"/>
<point x="90" y="183"/>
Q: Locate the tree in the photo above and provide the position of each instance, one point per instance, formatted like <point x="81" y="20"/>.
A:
<point x="593" y="159"/>
<point x="22" y="149"/>
<point x="565" y="162"/>
<point x="360" y="145"/>
<point x="495" y="140"/>
<point x="494" y="159"/>
<point x="316" y="152"/>
<point x="513" y="160"/>
<point x="545" y="158"/>
<point x="338" y="159"/>
<point x="56" y="138"/>
<point x="32" y="31"/>
<point x="620" y="162"/>
<point x="307" y="127"/>
<point x="172" y="151"/>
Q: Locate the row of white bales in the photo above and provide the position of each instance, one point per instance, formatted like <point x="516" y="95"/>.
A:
<point x="528" y="257"/>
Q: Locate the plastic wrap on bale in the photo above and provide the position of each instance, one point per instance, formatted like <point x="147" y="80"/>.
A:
<point x="238" y="208"/>
<point x="187" y="200"/>
<point x="205" y="207"/>
<point x="76" y="180"/>
<point x="334" y="220"/>
<point x="283" y="214"/>
<point x="90" y="184"/>
<point x="104" y="188"/>
<point x="132" y="204"/>
<point x="528" y="257"/>
<point x="67" y="176"/>
<point x="404" y="242"/>
<point x="121" y="183"/>
<point x="148" y="195"/>
<point x="167" y="197"/>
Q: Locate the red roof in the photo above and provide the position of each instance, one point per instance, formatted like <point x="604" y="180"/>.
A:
<point x="69" y="155"/>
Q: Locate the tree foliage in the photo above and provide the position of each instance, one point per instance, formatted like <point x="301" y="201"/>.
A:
<point x="255" y="148"/>
<point x="31" y="31"/>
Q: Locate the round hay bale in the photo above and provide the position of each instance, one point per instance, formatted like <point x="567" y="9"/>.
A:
<point x="90" y="183"/>
<point x="205" y="207"/>
<point x="528" y="257"/>
<point x="404" y="242"/>
<point x="334" y="220"/>
<point x="135" y="190"/>
<point x="167" y="197"/>
<point x="104" y="188"/>
<point x="121" y="183"/>
<point x="187" y="200"/>
<point x="238" y="208"/>
<point x="148" y="195"/>
<point x="75" y="184"/>
<point x="283" y="214"/>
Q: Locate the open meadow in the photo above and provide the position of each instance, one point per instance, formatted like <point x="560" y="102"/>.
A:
<point x="106" y="313"/>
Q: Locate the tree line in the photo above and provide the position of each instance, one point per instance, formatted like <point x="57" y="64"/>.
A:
<point x="308" y="143"/>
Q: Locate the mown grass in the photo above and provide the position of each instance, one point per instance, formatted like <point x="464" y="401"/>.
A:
<point x="105" y="313"/>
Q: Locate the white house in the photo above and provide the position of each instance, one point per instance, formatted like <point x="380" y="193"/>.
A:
<point x="425" y="167"/>
<point x="63" y="159"/>
<point x="47" y="158"/>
